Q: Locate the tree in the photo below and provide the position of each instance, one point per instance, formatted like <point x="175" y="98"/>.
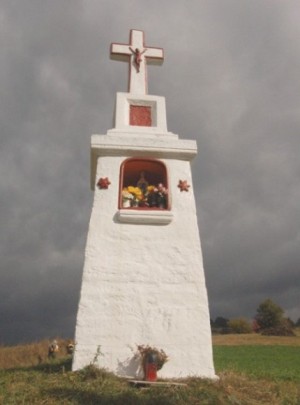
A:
<point x="270" y="320"/>
<point x="219" y="325"/>
<point x="220" y="322"/>
<point x="269" y="314"/>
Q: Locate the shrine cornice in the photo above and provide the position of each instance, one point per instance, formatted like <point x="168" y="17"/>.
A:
<point x="155" y="146"/>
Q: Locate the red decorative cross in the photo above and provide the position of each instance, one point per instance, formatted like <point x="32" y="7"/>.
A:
<point x="138" y="56"/>
<point x="103" y="183"/>
<point x="183" y="185"/>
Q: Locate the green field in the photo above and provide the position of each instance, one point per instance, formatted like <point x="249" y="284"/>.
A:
<point x="251" y="369"/>
<point x="275" y="362"/>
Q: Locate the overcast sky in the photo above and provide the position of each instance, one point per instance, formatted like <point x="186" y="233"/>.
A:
<point x="231" y="78"/>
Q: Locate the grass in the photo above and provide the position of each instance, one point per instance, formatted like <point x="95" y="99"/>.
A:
<point x="276" y="362"/>
<point x="28" y="354"/>
<point x="259" y="356"/>
<point x="251" y="372"/>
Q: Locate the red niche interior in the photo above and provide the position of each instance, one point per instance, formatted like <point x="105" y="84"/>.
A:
<point x="154" y="171"/>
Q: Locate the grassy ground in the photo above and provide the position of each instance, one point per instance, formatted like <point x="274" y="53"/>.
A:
<point x="276" y="362"/>
<point x="259" y="356"/>
<point x="252" y="370"/>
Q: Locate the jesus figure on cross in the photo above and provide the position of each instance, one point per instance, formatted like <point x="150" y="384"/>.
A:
<point x="137" y="57"/>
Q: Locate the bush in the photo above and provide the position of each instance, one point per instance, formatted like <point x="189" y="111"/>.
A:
<point x="284" y="328"/>
<point x="219" y="325"/>
<point x="220" y="322"/>
<point x="239" y="325"/>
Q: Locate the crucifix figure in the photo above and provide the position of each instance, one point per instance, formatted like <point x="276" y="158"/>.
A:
<point x="138" y="56"/>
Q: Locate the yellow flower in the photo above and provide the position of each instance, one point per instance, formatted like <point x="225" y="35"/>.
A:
<point x="135" y="191"/>
<point x="138" y="191"/>
<point x="131" y="189"/>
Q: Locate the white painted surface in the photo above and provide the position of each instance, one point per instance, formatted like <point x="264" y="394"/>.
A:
<point x="143" y="283"/>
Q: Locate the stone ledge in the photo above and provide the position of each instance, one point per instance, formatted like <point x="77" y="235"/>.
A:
<point x="151" y="217"/>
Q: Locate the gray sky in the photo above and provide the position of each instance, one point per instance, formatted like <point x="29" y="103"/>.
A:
<point x="231" y="81"/>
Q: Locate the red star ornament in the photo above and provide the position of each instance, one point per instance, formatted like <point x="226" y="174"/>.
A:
<point x="183" y="185"/>
<point x="103" y="183"/>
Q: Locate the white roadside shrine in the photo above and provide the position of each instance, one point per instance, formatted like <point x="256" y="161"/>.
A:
<point x="143" y="280"/>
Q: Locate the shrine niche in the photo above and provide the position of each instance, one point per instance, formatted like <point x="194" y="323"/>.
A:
<point x="143" y="184"/>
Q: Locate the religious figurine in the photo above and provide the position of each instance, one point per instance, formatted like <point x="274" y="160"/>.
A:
<point x="137" y="57"/>
<point x="142" y="183"/>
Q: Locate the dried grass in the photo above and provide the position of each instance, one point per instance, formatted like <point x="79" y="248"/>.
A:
<point x="256" y="339"/>
<point x="244" y="390"/>
<point x="27" y="355"/>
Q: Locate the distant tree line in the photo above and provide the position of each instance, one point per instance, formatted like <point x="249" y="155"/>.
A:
<point x="268" y="320"/>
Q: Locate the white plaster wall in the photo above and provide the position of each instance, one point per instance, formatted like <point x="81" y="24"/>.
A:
<point x="144" y="284"/>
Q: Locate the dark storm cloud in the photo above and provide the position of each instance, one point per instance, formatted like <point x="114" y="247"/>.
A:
<point x="230" y="78"/>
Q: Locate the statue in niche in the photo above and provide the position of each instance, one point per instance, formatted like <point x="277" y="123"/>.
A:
<point x="143" y="183"/>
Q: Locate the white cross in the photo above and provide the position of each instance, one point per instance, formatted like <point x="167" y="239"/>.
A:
<point x="138" y="56"/>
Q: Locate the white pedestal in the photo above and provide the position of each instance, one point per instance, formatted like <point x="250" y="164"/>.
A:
<point x="143" y="280"/>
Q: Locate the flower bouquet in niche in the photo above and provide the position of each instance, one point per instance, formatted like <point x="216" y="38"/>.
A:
<point x="126" y="198"/>
<point x="149" y="196"/>
<point x="157" y="196"/>
<point x="131" y="196"/>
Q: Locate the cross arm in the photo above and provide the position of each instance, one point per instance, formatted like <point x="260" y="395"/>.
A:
<point x="120" y="52"/>
<point x="154" y="56"/>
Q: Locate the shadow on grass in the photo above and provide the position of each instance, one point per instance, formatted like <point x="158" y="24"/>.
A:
<point x="82" y="396"/>
<point x="130" y="396"/>
<point x="97" y="386"/>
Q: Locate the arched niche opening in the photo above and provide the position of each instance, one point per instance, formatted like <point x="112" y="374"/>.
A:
<point x="143" y="184"/>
